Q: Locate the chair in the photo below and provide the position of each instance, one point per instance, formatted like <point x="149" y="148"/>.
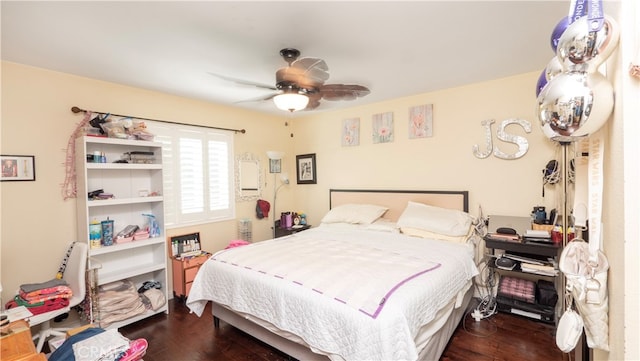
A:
<point x="74" y="274"/>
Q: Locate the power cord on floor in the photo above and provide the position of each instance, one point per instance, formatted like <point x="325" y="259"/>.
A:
<point x="485" y="284"/>
<point x="485" y="309"/>
<point x="485" y="287"/>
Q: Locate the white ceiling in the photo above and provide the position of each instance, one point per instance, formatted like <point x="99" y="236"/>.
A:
<point x="394" y="48"/>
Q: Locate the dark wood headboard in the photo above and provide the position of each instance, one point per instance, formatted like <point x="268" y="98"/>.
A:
<point x="396" y="200"/>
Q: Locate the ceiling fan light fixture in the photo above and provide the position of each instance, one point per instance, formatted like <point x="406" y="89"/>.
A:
<point x="291" y="101"/>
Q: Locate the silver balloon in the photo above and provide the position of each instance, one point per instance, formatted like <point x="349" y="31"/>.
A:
<point x="553" y="68"/>
<point x="582" y="49"/>
<point x="574" y="104"/>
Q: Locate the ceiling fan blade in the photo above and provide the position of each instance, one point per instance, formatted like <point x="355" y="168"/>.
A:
<point x="343" y="91"/>
<point x="314" y="101"/>
<point x="305" y="72"/>
<point x="258" y="99"/>
<point x="314" y="68"/>
<point x="244" y="82"/>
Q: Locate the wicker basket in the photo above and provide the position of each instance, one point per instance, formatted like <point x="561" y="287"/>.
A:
<point x="542" y="227"/>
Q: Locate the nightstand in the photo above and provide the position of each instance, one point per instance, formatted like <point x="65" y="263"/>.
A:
<point x="281" y="232"/>
<point x="528" y="251"/>
<point x="184" y="271"/>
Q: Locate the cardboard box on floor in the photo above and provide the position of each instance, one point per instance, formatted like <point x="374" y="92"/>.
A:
<point x="77" y="330"/>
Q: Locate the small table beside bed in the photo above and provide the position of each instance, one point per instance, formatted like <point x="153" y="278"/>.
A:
<point x="387" y="274"/>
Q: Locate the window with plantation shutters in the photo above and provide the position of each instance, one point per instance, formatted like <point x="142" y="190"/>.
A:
<point x="198" y="171"/>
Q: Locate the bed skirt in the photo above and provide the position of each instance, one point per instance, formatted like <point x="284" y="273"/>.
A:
<point x="432" y="346"/>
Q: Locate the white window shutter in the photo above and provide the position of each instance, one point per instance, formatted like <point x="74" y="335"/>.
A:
<point x="198" y="169"/>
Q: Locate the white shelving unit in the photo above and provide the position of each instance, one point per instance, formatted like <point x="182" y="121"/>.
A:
<point x="137" y="190"/>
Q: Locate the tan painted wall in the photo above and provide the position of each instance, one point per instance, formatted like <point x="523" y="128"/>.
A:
<point x="37" y="224"/>
<point x="443" y="161"/>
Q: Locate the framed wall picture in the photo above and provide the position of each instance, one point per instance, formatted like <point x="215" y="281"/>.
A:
<point x="421" y="121"/>
<point x="306" y="169"/>
<point x="18" y="168"/>
<point x="350" y="132"/>
<point x="382" y="127"/>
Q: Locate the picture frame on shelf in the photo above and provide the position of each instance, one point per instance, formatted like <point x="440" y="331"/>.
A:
<point x="306" y="169"/>
<point x="18" y="168"/>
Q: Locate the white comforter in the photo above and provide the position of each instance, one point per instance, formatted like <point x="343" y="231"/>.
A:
<point x="334" y="328"/>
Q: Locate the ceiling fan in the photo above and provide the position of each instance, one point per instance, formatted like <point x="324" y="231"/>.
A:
<point x="301" y="84"/>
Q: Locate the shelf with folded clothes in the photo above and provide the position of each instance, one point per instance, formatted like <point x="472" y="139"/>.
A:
<point x="121" y="302"/>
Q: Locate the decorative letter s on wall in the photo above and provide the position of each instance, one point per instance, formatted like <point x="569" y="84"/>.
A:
<point x="521" y="142"/>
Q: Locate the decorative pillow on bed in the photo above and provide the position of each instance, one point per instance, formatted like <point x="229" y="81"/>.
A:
<point x="443" y="221"/>
<point x="354" y="213"/>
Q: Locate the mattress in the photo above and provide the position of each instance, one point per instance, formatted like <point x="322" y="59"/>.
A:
<point x="413" y="299"/>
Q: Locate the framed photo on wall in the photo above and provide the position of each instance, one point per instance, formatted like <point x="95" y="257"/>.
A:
<point x="18" y="168"/>
<point x="306" y="169"/>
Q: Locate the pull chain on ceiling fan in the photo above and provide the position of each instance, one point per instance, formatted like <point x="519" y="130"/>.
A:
<point x="301" y="85"/>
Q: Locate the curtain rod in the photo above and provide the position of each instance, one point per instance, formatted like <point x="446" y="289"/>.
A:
<point x="79" y="110"/>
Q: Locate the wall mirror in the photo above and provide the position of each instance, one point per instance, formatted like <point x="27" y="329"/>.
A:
<point x="248" y="178"/>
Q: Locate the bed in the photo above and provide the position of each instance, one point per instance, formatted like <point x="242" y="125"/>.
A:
<point x="386" y="275"/>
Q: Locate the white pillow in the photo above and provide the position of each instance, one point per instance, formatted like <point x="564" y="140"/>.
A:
<point x="415" y="232"/>
<point x="383" y="225"/>
<point x="354" y="213"/>
<point x="448" y="222"/>
<point x="339" y="226"/>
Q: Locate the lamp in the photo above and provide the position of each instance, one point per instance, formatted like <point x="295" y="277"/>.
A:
<point x="275" y="161"/>
<point x="291" y="101"/>
<point x="274" y="154"/>
<point x="284" y="180"/>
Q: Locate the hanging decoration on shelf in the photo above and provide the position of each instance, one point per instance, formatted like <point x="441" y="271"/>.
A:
<point x="578" y="100"/>
<point x="69" y="186"/>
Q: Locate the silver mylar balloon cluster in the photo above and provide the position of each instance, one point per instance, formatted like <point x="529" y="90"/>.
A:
<point x="574" y="99"/>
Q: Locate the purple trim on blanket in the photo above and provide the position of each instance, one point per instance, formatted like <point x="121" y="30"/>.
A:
<point x="392" y="290"/>
<point x="382" y="302"/>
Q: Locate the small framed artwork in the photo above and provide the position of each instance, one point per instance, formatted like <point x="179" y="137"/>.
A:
<point x="306" y="169"/>
<point x="350" y="132"/>
<point x="382" y="127"/>
<point x="275" y="166"/>
<point x="18" y="168"/>
<point x="421" y="121"/>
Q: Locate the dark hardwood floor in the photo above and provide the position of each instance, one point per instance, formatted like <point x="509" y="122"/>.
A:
<point x="181" y="336"/>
